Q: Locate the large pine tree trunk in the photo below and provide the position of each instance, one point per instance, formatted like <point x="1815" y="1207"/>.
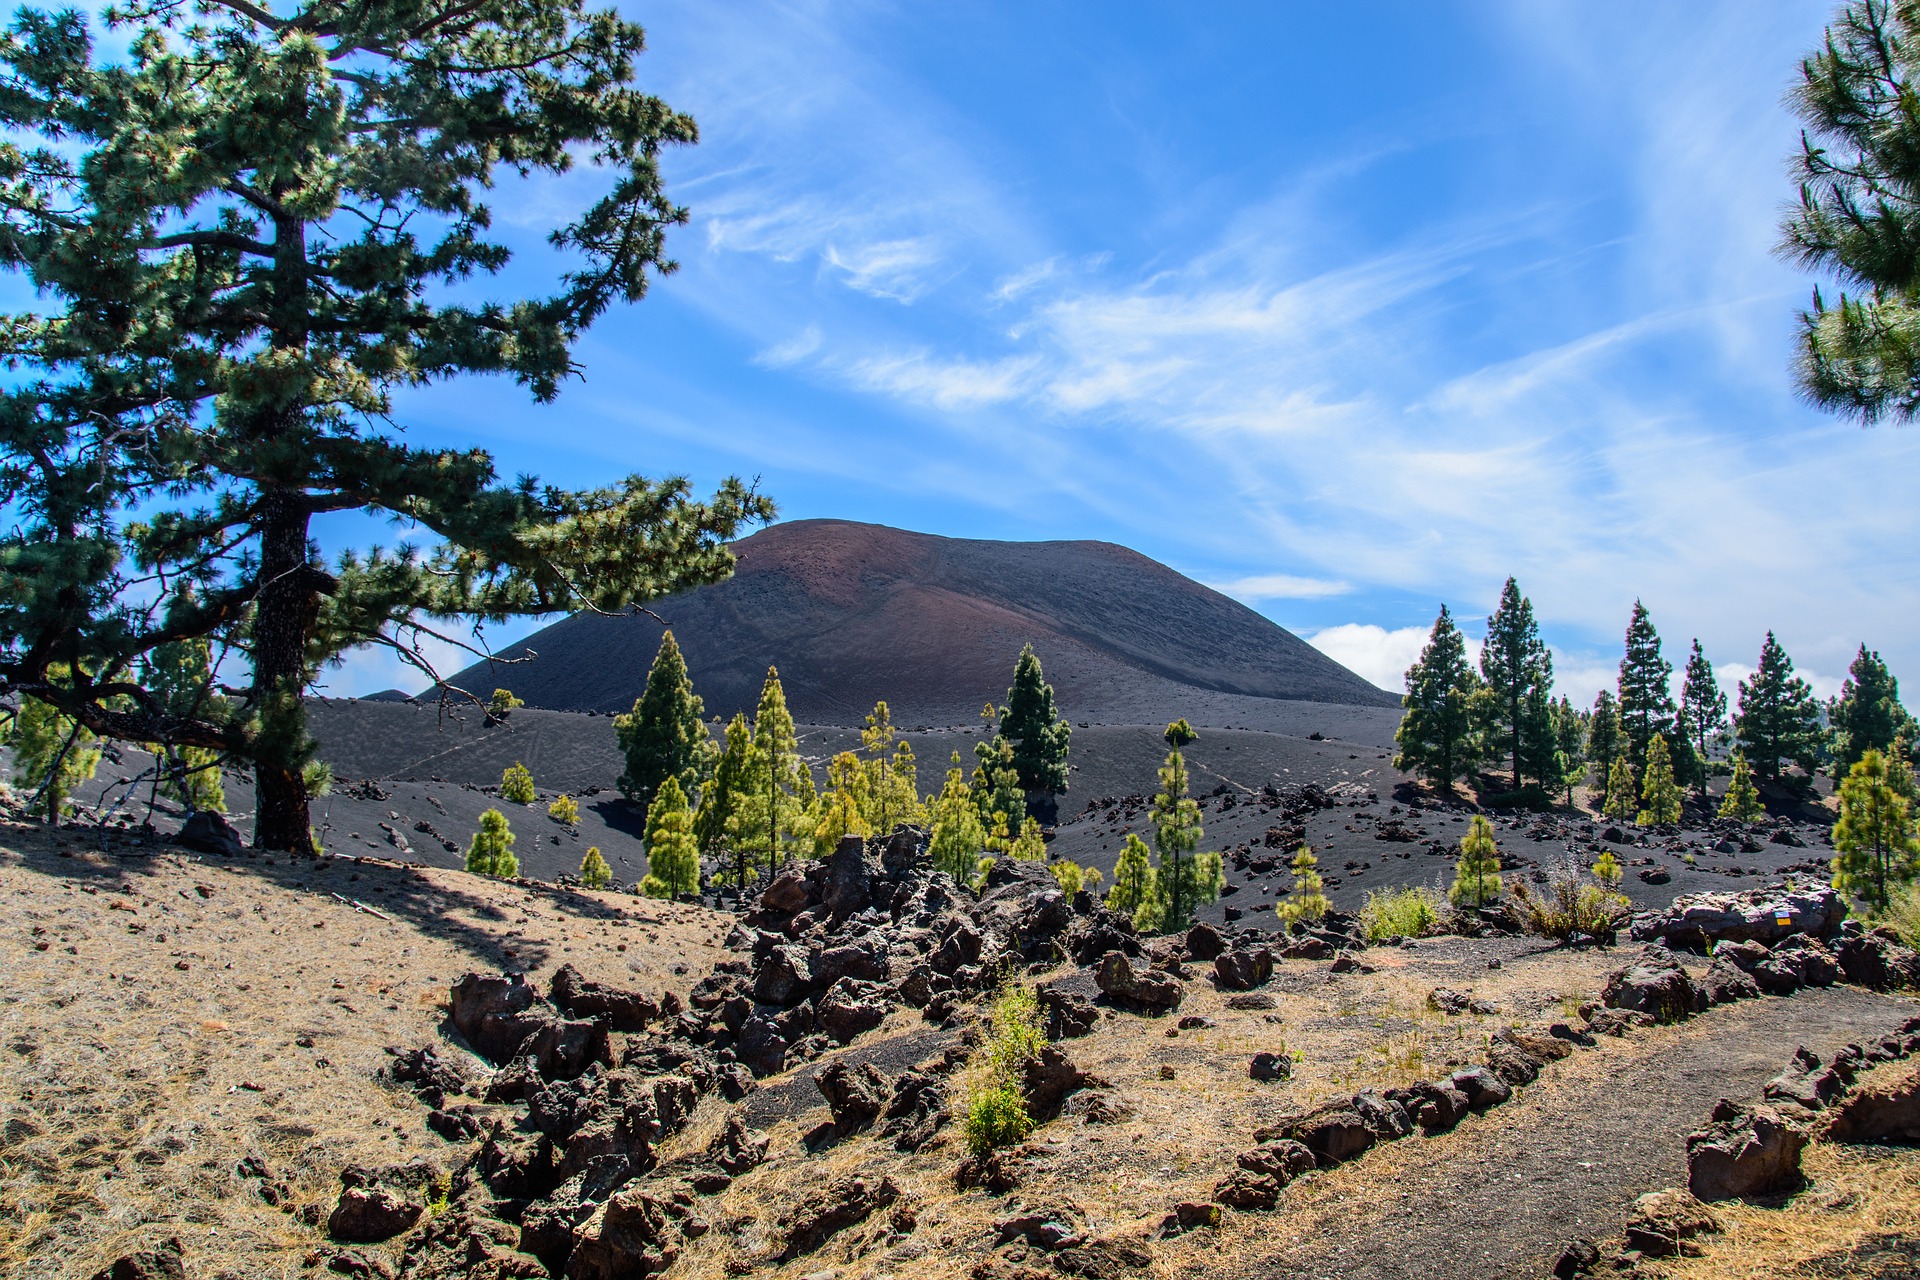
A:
<point x="285" y="610"/>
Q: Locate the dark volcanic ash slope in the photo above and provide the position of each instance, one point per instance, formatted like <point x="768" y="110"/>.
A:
<point x="852" y="613"/>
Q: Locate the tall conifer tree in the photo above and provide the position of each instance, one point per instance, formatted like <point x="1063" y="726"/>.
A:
<point x="1867" y="716"/>
<point x="664" y="736"/>
<point x="247" y="225"/>
<point x="1435" y="736"/>
<point x="1778" y="722"/>
<point x="1703" y="708"/>
<point x="1646" y="689"/>
<point x="772" y="818"/>
<point x="716" y="826"/>
<point x="1515" y="664"/>
<point x="673" y="854"/>
<point x="1038" y="736"/>
<point x="1875" y="851"/>
<point x="1603" y="740"/>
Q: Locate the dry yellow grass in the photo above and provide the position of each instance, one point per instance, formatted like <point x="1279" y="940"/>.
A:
<point x="163" y="1018"/>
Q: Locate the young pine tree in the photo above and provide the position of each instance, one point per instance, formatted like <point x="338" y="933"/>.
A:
<point x="1179" y="734"/>
<point x="491" y="853"/>
<point x="1476" y="878"/>
<point x="1622" y="803"/>
<point x="564" y="810"/>
<point x="1435" y="738"/>
<point x="957" y="837"/>
<point x="1307" y="902"/>
<point x="715" y="824"/>
<point x="1867" y="716"/>
<point x="841" y="808"/>
<point x="892" y="793"/>
<point x="1135" y="892"/>
<point x="52" y="754"/>
<point x="1030" y="845"/>
<point x="1703" y="709"/>
<point x="516" y="784"/>
<point x="1516" y="666"/>
<point x="996" y="785"/>
<point x="1779" y="722"/>
<point x="1570" y="732"/>
<point x="501" y="705"/>
<point x="1646" y="695"/>
<point x="773" y="817"/>
<point x="1176" y="834"/>
<point x="1606" y="869"/>
<point x="594" y="871"/>
<point x="245" y="227"/>
<point x="1875" y="850"/>
<point x="1742" y="801"/>
<point x="1038" y="736"/>
<point x="1658" y="790"/>
<point x="673" y="855"/>
<point x="663" y="736"/>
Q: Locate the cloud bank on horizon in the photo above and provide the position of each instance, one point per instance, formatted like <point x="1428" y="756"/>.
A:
<point x="1167" y="278"/>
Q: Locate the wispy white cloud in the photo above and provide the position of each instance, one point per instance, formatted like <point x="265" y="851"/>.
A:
<point x="793" y="350"/>
<point x="921" y="379"/>
<point x="1281" y="586"/>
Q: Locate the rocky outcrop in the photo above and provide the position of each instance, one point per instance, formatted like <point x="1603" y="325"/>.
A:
<point x="830" y="1210"/>
<point x="855" y="1096"/>
<point x="164" y="1262"/>
<point x="1885" y="1111"/>
<point x="1876" y="958"/>
<point x="622" y="1010"/>
<point x="1744" y="1151"/>
<point x="1697" y="920"/>
<point x="1664" y="1224"/>
<point x="1142" y="989"/>
<point x="1654" y="983"/>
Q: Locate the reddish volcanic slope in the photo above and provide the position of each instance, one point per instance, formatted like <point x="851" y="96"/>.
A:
<point x="852" y="613"/>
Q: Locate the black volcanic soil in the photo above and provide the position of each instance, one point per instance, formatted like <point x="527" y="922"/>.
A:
<point x="853" y="613"/>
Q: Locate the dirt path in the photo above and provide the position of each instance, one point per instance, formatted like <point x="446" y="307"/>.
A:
<point x="1500" y="1196"/>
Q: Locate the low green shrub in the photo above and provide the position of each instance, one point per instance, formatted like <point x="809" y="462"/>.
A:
<point x="1400" y="913"/>
<point x="1572" y="905"/>
<point x="996" y="1117"/>
<point x="996" y="1109"/>
<point x="1903" y="914"/>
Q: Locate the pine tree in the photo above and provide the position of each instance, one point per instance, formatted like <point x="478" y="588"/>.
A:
<point x="1515" y="664"/>
<point x="716" y="822"/>
<point x="1658" y="789"/>
<point x="1606" y="869"/>
<point x="1039" y="737"/>
<point x="53" y="754"/>
<point x="892" y="791"/>
<point x="1875" y="850"/>
<point x="1857" y="174"/>
<point x="501" y="705"/>
<point x="1476" y="878"/>
<point x="664" y="736"/>
<point x="594" y="871"/>
<point x="996" y="784"/>
<point x="1436" y="734"/>
<point x="774" y="816"/>
<point x="516" y="784"/>
<point x="1703" y="708"/>
<point x="673" y="855"/>
<point x="564" y="810"/>
<point x="491" y="853"/>
<point x="1778" y="723"/>
<point x="1134" y="893"/>
<point x="1542" y="762"/>
<point x="1742" y="801"/>
<point x="841" y="807"/>
<point x="1646" y="689"/>
<point x="1307" y="902"/>
<point x="1900" y="769"/>
<point x="1570" y="732"/>
<point x="1603" y="741"/>
<point x="245" y="228"/>
<point x="1867" y="716"/>
<point x="179" y="674"/>
<point x="1030" y="845"/>
<point x="1622" y="801"/>
<point x="1176" y="834"/>
<point x="957" y="838"/>
<point x="1179" y="734"/>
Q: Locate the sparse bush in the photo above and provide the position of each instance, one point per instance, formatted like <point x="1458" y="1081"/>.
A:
<point x="1400" y="913"/>
<point x="516" y="784"/>
<point x="995" y="1108"/>
<point x="594" y="871"/>
<point x="1307" y="903"/>
<point x="491" y="853"/>
<point x="565" y="810"/>
<point x="1572" y="906"/>
<point x="996" y="1117"/>
<point x="1903" y="914"/>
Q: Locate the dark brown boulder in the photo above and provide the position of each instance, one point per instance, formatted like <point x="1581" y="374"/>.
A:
<point x="850" y="1008"/>
<point x="1204" y="942"/>
<point x="628" y="1236"/>
<point x="1243" y="970"/>
<point x="623" y="1011"/>
<point x="856" y="1096"/>
<point x="786" y="895"/>
<point x="496" y="1013"/>
<point x="1655" y="984"/>
<point x="369" y="1214"/>
<point x="1141" y="989"/>
<point x="1744" y="1151"/>
<point x="1663" y="1224"/>
<point x="832" y="1209"/>
<point x="1334" y="1133"/>
<point x="1048" y="1079"/>
<point x="1887" y="1111"/>
<point x="161" y="1263"/>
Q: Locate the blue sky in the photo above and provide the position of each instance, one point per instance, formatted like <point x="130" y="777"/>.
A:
<point x="1347" y="310"/>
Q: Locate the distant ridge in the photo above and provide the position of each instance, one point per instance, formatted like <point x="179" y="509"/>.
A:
<point x="852" y="613"/>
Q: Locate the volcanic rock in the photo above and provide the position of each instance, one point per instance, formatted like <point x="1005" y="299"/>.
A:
<point x="1144" y="989"/>
<point x="1888" y="1111"/>
<point x="1655" y="984"/>
<point x="1744" y="1151"/>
